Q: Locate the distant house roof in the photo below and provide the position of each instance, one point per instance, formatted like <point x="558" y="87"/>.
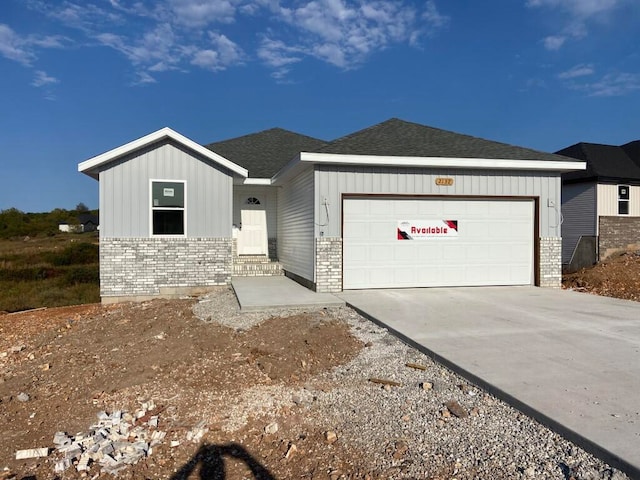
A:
<point x="264" y="153"/>
<point x="605" y="162"/>
<point x="396" y="137"/>
<point x="85" y="218"/>
<point x="633" y="150"/>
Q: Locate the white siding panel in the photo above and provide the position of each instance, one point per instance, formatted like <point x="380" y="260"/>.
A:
<point x="124" y="192"/>
<point x="295" y="226"/>
<point x="579" y="213"/>
<point x="608" y="201"/>
<point x="333" y="181"/>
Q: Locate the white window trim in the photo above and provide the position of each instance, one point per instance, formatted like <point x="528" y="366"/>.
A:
<point x="151" y="208"/>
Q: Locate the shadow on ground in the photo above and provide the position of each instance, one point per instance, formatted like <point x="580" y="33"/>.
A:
<point x="210" y="461"/>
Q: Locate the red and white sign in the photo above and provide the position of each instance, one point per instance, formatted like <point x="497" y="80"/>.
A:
<point x="427" y="229"/>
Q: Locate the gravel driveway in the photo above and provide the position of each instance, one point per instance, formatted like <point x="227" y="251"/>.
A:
<point x="433" y="424"/>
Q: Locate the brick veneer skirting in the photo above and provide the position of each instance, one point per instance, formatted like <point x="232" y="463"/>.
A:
<point x="551" y="262"/>
<point x="618" y="234"/>
<point x="328" y="264"/>
<point x="148" y="266"/>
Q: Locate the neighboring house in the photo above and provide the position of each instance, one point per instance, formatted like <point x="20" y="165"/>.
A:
<point x="89" y="222"/>
<point x="600" y="205"/>
<point x="86" y="222"/>
<point x="70" y="227"/>
<point x="395" y="205"/>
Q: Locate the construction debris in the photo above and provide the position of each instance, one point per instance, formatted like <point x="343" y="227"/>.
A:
<point x="114" y="443"/>
<point x="196" y="433"/>
<point x="417" y="366"/>
<point x="23" y="397"/>
<point x="32" y="453"/>
<point x="385" y="382"/>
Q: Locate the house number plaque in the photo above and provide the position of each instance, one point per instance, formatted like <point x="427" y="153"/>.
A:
<point x="444" y="181"/>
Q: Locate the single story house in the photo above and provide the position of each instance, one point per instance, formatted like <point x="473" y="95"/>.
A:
<point x="397" y="204"/>
<point x="85" y="222"/>
<point x="601" y="204"/>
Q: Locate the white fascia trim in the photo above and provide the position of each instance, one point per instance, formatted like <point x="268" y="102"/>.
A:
<point x="257" y="181"/>
<point x="442" y="162"/>
<point x="166" y="132"/>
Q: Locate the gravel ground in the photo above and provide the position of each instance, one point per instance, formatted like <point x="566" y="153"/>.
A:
<point x="407" y="430"/>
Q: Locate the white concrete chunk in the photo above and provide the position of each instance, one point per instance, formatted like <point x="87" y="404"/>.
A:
<point x="32" y="453"/>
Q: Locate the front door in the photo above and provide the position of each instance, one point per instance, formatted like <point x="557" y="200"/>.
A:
<point x="252" y="237"/>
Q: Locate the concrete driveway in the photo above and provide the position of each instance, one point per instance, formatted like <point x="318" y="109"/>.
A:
<point x="570" y="360"/>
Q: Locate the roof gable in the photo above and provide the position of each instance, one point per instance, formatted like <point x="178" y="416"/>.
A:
<point x="92" y="166"/>
<point x="398" y="138"/>
<point x="604" y="162"/>
<point x="265" y="153"/>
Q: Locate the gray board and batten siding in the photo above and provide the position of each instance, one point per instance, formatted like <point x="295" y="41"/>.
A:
<point x="125" y="197"/>
<point x="580" y="216"/>
<point x="296" y="225"/>
<point x="332" y="181"/>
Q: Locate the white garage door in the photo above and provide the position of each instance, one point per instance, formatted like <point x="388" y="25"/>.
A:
<point x="391" y="242"/>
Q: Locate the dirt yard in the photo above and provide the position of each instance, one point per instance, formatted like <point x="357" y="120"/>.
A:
<point x="264" y="396"/>
<point x="75" y="361"/>
<point x="618" y="277"/>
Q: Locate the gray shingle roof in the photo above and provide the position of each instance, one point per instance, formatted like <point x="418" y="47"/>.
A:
<point x="604" y="162"/>
<point x="265" y="153"/>
<point x="396" y="137"/>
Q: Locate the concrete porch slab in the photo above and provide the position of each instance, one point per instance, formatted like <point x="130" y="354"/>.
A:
<point x="264" y="293"/>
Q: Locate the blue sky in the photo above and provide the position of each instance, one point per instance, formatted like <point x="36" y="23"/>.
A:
<point x="79" y="77"/>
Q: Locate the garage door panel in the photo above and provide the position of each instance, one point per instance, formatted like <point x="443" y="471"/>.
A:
<point x="494" y="244"/>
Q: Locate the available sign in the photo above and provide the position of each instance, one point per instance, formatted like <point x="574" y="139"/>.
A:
<point x="427" y="229"/>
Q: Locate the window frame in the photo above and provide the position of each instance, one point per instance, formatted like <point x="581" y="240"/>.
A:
<point x="622" y="200"/>
<point x="153" y="209"/>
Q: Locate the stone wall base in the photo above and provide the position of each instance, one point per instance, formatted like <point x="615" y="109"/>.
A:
<point x="328" y="264"/>
<point x="551" y="262"/>
<point x="152" y="267"/>
<point x="618" y="234"/>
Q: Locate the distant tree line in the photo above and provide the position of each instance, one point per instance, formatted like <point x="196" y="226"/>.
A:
<point x="16" y="223"/>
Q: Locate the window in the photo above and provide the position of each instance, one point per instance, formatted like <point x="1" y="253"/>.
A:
<point x="253" y="201"/>
<point x="623" y="199"/>
<point x="167" y="208"/>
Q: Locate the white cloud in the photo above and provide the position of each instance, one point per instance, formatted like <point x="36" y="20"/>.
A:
<point x="22" y="49"/>
<point x="581" y="70"/>
<point x="223" y="54"/>
<point x="612" y="85"/>
<point x="164" y="35"/>
<point x="575" y="15"/>
<point x="344" y="33"/>
<point x="580" y="8"/>
<point x="276" y="54"/>
<point x="554" y="42"/>
<point x="153" y="47"/>
<point x="433" y="17"/>
<point x="13" y="47"/>
<point x="199" y="13"/>
<point x="41" y="79"/>
<point x="143" y="78"/>
<point x="84" y="16"/>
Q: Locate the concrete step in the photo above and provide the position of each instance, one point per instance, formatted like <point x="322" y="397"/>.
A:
<point x="257" y="269"/>
<point x="251" y="259"/>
